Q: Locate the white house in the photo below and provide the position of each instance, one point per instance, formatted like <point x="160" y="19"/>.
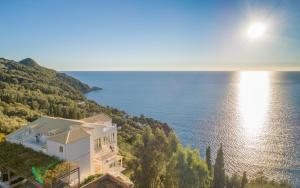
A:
<point x="91" y="143"/>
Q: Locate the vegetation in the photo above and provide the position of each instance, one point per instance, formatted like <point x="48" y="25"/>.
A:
<point x="260" y="181"/>
<point x="21" y="160"/>
<point x="28" y="91"/>
<point x="153" y="155"/>
<point x="219" y="170"/>
<point x="51" y="175"/>
<point x="234" y="181"/>
<point x="208" y="160"/>
<point x="2" y="137"/>
<point x="33" y="165"/>
<point x="161" y="161"/>
<point x="90" y="179"/>
<point x="244" y="180"/>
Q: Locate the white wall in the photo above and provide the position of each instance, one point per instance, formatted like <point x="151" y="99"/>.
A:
<point x="53" y="149"/>
<point x="108" y="123"/>
<point x="77" y="152"/>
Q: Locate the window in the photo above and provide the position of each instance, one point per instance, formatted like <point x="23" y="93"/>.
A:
<point x="61" y="149"/>
<point x="99" y="143"/>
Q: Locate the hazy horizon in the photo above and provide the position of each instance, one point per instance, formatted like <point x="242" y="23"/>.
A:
<point x="278" y="69"/>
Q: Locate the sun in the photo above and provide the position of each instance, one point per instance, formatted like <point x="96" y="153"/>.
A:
<point x="256" y="30"/>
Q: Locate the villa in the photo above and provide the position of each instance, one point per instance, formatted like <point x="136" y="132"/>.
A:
<point x="91" y="143"/>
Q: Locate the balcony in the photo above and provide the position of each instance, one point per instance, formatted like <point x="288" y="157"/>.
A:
<point x="105" y="154"/>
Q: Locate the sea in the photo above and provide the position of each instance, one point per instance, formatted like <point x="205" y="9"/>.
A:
<point x="255" y="115"/>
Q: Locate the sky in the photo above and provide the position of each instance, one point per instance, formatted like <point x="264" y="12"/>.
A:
<point x="151" y="35"/>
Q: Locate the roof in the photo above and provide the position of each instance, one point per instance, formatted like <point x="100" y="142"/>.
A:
<point x="46" y="124"/>
<point x="100" y="118"/>
<point x="64" y="130"/>
<point x="70" y="136"/>
<point x="108" y="180"/>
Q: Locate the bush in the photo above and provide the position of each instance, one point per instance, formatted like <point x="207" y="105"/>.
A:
<point x="90" y="179"/>
<point x="2" y="137"/>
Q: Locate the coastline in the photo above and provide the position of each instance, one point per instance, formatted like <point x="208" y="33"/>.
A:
<point x="93" y="88"/>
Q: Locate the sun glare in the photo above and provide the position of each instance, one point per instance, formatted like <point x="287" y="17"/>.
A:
<point x="254" y="97"/>
<point x="256" y="30"/>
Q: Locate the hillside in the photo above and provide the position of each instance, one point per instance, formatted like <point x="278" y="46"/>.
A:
<point x="28" y="90"/>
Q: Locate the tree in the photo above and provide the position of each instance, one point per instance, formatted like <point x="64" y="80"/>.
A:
<point x="244" y="180"/>
<point x="208" y="159"/>
<point x="261" y="180"/>
<point x="161" y="162"/>
<point x="234" y="181"/>
<point x="219" y="170"/>
<point x="188" y="170"/>
<point x="150" y="152"/>
<point x="14" y="81"/>
<point x="171" y="176"/>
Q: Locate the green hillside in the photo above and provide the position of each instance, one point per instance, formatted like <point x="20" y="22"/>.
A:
<point x="28" y="90"/>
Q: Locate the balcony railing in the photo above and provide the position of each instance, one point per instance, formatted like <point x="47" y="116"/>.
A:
<point x="105" y="154"/>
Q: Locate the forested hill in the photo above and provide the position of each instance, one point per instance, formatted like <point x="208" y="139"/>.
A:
<point x="32" y="71"/>
<point x="28" y="90"/>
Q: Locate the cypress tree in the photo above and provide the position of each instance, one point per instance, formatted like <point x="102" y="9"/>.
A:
<point x="244" y="180"/>
<point x="219" y="170"/>
<point x="208" y="159"/>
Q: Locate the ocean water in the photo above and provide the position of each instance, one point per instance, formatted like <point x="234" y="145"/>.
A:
<point x="255" y="115"/>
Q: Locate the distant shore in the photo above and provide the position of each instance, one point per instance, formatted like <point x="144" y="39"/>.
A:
<point x="94" y="88"/>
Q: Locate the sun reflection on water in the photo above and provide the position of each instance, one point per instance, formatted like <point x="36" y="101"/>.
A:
<point x="254" y="99"/>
